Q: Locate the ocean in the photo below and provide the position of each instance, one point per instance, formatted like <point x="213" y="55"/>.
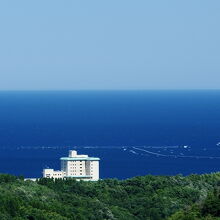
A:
<point x="133" y="132"/>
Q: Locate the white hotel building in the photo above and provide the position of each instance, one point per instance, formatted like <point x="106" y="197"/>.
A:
<point x="80" y="167"/>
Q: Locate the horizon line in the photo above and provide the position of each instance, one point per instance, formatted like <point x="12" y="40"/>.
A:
<point x="100" y="90"/>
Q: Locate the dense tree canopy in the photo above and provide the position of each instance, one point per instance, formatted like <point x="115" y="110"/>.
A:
<point x="148" y="197"/>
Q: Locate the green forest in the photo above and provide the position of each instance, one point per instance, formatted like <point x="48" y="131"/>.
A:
<point x="145" y="197"/>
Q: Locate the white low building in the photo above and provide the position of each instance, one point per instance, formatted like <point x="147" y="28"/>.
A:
<point x="56" y="174"/>
<point x="81" y="167"/>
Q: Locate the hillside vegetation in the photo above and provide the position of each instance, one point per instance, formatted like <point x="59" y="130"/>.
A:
<point x="146" y="197"/>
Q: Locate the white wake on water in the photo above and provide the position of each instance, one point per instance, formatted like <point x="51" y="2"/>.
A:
<point x="175" y="156"/>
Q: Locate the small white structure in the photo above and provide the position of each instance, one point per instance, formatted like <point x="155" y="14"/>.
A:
<point x="81" y="167"/>
<point x="56" y="174"/>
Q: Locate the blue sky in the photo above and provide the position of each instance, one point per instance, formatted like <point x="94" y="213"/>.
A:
<point x="117" y="44"/>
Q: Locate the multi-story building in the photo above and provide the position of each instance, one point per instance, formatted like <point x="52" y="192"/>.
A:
<point x="81" y="167"/>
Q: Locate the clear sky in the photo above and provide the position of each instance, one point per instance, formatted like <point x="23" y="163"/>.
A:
<point x="115" y="44"/>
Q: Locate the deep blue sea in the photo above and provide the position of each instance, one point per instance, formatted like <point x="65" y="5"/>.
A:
<point x="133" y="132"/>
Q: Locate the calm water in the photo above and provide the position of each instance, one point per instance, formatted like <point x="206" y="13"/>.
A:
<point x="134" y="133"/>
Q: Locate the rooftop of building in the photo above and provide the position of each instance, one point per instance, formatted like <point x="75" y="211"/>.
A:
<point x="78" y="157"/>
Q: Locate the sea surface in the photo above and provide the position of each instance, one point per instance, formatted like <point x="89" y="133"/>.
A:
<point x="133" y="132"/>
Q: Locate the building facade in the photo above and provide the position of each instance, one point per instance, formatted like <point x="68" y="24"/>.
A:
<point x="81" y="167"/>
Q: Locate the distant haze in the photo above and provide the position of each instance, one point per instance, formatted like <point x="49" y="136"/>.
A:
<point x="117" y="44"/>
